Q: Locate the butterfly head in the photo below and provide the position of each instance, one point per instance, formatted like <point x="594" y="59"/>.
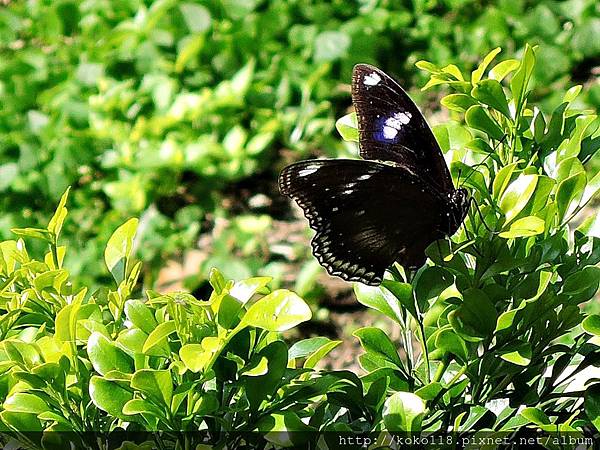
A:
<point x="460" y="200"/>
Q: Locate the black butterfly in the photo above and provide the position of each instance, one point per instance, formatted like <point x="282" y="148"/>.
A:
<point x="388" y="206"/>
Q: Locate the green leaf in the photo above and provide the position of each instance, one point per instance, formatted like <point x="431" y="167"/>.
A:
<point x="502" y="69"/>
<point x="478" y="118"/>
<point x="592" y="404"/>
<point x="518" y="353"/>
<point x="105" y="356"/>
<point x="569" y="193"/>
<point x="244" y="290"/>
<point x="306" y="347"/>
<point x="141" y="406"/>
<point x="517" y="195"/>
<point x="258" y="388"/>
<point x="159" y="334"/>
<point x="380" y="300"/>
<point x="536" y="416"/>
<point x="502" y="179"/>
<point x="331" y="45"/>
<point x="23" y="402"/>
<point x="319" y="354"/>
<point x="278" y="311"/>
<point x="260" y="367"/>
<point x="284" y="429"/>
<point x="36" y="233"/>
<point x="347" y="126"/>
<point x="118" y="249"/>
<point x="457" y="102"/>
<point x="195" y="357"/>
<point x="403" y="411"/>
<point x="109" y="396"/>
<point x="490" y="92"/>
<point x="403" y="293"/>
<point x="430" y="391"/>
<point x="591" y="324"/>
<point x="524" y="227"/>
<point x="140" y="315"/>
<point x="581" y="280"/>
<point x="189" y="50"/>
<point x="477" y="74"/>
<point x="374" y="340"/>
<point x="475" y="319"/>
<point x="196" y="17"/>
<point x="56" y="223"/>
<point x="449" y="342"/>
<point x="520" y="81"/>
<point x="156" y="384"/>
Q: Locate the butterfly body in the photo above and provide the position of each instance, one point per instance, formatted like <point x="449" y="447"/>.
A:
<point x="388" y="206"/>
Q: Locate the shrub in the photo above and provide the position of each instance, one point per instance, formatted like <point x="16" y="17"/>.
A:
<point x="493" y="330"/>
<point x="496" y="314"/>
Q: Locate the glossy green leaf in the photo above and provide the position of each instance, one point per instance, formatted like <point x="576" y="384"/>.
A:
<point x="536" y="416"/>
<point x="140" y="315"/>
<point x="592" y="404"/>
<point x="591" y="324"/>
<point x="109" y="396"/>
<point x="156" y="384"/>
<point x="23" y="402"/>
<point x="195" y="357"/>
<point x="477" y="74"/>
<point x="118" y="249"/>
<point x="278" y="311"/>
<point x="458" y="102"/>
<point x="347" y="126"/>
<point x="374" y="340"/>
<point x="504" y="68"/>
<point x="403" y="411"/>
<point x="105" y="356"/>
<point x="490" y="92"/>
<point x="244" y="290"/>
<point x="478" y="118"/>
<point x="569" y="193"/>
<point x="518" y="353"/>
<point x="56" y="222"/>
<point x="449" y="342"/>
<point x="519" y="84"/>
<point x="380" y="300"/>
<point x="524" y="227"/>
<point x="284" y="429"/>
<point x="517" y="195"/>
<point x="159" y="334"/>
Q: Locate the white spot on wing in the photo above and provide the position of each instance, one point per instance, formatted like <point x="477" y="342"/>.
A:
<point x="389" y="132"/>
<point x="392" y="125"/>
<point x="308" y="171"/>
<point x="364" y="177"/>
<point x="372" y="79"/>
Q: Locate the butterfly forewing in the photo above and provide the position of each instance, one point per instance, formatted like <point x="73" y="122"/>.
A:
<point x="391" y="127"/>
<point x="366" y="215"/>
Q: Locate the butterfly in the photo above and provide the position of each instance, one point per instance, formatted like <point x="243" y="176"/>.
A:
<point x="387" y="207"/>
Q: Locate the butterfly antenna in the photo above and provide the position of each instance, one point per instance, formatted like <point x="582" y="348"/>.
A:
<point x="482" y="163"/>
<point x="472" y="200"/>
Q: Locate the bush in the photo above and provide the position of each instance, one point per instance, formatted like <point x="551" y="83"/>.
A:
<point x="493" y="333"/>
<point x="497" y="315"/>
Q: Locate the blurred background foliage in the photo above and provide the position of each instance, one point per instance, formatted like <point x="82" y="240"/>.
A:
<point x="183" y="113"/>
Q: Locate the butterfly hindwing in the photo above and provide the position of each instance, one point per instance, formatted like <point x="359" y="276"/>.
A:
<point x="366" y="215"/>
<point x="391" y="127"/>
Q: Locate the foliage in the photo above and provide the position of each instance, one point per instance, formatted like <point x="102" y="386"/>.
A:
<point x="496" y="313"/>
<point x="155" y="109"/>
<point x="74" y="362"/>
